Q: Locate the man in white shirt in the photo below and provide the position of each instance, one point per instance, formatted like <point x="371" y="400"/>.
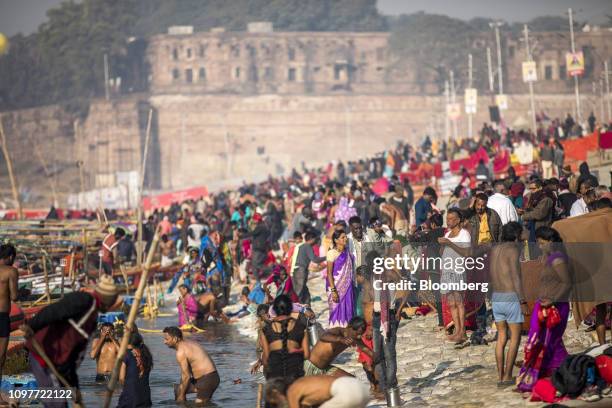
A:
<point x="502" y="204"/>
<point x="581" y="206"/>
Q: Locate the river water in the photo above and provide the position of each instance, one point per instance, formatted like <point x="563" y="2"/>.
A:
<point x="231" y="352"/>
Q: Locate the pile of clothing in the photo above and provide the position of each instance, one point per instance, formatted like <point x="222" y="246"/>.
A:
<point x="586" y="376"/>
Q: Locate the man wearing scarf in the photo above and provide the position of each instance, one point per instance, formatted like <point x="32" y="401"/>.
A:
<point x="539" y="211"/>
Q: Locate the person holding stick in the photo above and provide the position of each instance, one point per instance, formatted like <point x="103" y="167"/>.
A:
<point x="57" y="336"/>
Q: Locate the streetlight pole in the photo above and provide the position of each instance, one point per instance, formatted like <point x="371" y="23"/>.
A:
<point x="446" y="118"/>
<point x="453" y="100"/>
<point x="576" y="85"/>
<point x="470" y="115"/>
<point x="530" y="83"/>
<point x="607" y="79"/>
<point x="106" y="75"/>
<point x="490" y="70"/>
<point x="500" y="76"/>
<point x="602" y="97"/>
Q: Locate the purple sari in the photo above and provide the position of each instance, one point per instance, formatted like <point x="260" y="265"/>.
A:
<point x="342" y="312"/>
<point x="549" y="341"/>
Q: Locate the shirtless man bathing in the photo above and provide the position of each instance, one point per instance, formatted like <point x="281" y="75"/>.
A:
<point x="317" y="391"/>
<point x="104" y="350"/>
<point x="508" y="299"/>
<point x="8" y="292"/>
<point x="333" y="342"/>
<point x="198" y="371"/>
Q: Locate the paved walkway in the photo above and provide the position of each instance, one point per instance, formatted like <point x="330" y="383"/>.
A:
<point x="431" y="373"/>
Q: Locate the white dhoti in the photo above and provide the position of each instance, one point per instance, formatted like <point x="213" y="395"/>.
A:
<point x="347" y="392"/>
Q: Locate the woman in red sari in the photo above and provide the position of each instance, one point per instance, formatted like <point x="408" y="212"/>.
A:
<point x="283" y="283"/>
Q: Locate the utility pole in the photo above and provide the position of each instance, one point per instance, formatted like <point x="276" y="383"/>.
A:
<point x="495" y="26"/>
<point x="490" y="70"/>
<point x="531" y="97"/>
<point x="602" y="97"/>
<point x="470" y="115"/>
<point x="576" y="85"/>
<point x="607" y="79"/>
<point x="447" y="100"/>
<point x="106" y="91"/>
<point x="453" y="100"/>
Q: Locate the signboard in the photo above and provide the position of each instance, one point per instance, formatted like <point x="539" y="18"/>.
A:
<point x="501" y="101"/>
<point x="574" y="63"/>
<point x="471" y="100"/>
<point x="453" y="111"/>
<point x="530" y="73"/>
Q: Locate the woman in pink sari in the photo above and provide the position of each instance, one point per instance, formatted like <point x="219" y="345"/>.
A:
<point x="187" y="306"/>
<point x="340" y="271"/>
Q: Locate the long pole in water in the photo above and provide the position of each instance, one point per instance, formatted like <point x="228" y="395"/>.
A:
<point x="9" y="167"/>
<point x="139" y="249"/>
<point x="129" y="326"/>
<point x="576" y="85"/>
<point x="531" y="97"/>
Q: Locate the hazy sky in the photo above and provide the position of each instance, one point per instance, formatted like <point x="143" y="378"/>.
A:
<point x="25" y="15"/>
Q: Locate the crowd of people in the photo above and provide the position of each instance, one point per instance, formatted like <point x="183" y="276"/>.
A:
<point x="271" y="239"/>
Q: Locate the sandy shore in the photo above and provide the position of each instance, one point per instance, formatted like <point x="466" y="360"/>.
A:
<point x="431" y="373"/>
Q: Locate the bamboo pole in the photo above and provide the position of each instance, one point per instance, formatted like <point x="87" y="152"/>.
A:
<point x="129" y="326"/>
<point x="139" y="248"/>
<point x="259" y="394"/>
<point x="9" y="167"/>
<point x="125" y="279"/>
<point x="47" y="291"/>
<point x="85" y="252"/>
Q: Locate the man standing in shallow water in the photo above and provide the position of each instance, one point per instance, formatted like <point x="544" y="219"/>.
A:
<point x="198" y="371"/>
<point x="104" y="350"/>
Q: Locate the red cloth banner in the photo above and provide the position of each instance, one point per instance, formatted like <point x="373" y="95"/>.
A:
<point x="605" y="140"/>
<point x="577" y="149"/>
<point x="166" y="199"/>
<point x="471" y="162"/>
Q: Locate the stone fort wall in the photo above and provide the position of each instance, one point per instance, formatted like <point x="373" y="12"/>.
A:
<point x="212" y="139"/>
